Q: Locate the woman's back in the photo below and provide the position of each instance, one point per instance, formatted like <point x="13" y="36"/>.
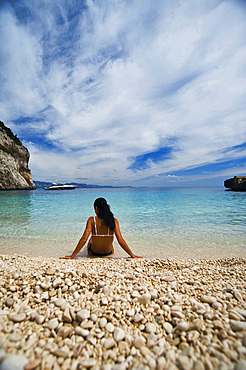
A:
<point x="102" y="237"/>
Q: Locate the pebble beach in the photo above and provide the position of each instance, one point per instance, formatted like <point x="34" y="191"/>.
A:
<point x="122" y="313"/>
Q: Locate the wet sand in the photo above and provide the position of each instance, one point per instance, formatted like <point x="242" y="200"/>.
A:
<point x="122" y="313"/>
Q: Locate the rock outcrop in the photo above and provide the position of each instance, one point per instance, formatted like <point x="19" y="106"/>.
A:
<point x="237" y="183"/>
<point x="14" y="171"/>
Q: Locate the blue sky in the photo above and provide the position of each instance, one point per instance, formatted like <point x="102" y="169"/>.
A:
<point x="124" y="92"/>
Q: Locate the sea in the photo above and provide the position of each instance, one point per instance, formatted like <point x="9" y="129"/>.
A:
<point x="180" y="223"/>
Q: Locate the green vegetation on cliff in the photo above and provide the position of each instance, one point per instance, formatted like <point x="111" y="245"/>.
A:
<point x="6" y="150"/>
<point x="10" y="133"/>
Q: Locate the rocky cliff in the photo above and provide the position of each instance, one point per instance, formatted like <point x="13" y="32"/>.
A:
<point x="14" y="157"/>
<point x="237" y="183"/>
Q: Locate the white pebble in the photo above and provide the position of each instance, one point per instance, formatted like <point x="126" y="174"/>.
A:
<point x="130" y="313"/>
<point x="138" y="317"/>
<point x="238" y="325"/>
<point x="150" y="327"/>
<point x="52" y="324"/>
<point x="109" y="343"/>
<point x="83" y="314"/>
<point x="109" y="327"/>
<point x="81" y="331"/>
<point x="14" y="362"/>
<point x="183" y="325"/>
<point x="59" y="302"/>
<point x="102" y="322"/>
<point x="119" y="334"/>
<point x="76" y="295"/>
<point x="145" y="298"/>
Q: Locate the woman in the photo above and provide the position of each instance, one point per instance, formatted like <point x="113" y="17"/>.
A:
<point x="103" y="226"/>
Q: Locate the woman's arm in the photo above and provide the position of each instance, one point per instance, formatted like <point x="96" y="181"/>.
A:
<point x="121" y="241"/>
<point x="82" y="240"/>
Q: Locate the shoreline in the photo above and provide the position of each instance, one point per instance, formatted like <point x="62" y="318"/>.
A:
<point x="119" y="313"/>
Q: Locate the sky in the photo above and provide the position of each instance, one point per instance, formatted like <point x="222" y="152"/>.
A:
<point x="126" y="92"/>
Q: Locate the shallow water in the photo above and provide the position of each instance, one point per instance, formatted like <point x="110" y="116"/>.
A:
<point x="158" y="222"/>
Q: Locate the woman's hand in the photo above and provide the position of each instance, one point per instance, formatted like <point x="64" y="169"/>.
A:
<point x="66" y="258"/>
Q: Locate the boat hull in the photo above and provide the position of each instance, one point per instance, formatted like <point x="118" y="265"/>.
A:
<point x="61" y="188"/>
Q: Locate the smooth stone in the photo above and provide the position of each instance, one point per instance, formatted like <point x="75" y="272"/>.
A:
<point x="161" y="363"/>
<point x="178" y="314"/>
<point x="50" y="271"/>
<point x="150" y="327"/>
<point x="102" y="322"/>
<point x="68" y="282"/>
<point x="104" y="301"/>
<point x="135" y="294"/>
<point x="192" y="335"/>
<point x="109" y="343"/>
<point x="217" y="305"/>
<point x="207" y="299"/>
<point x="93" y="317"/>
<point x="59" y="302"/>
<point x="88" y="362"/>
<point x="145" y="351"/>
<point x="241" y="311"/>
<point x="139" y="342"/>
<point x="9" y="302"/>
<point x="238" y="325"/>
<point x="60" y="353"/>
<point x="52" y="324"/>
<point x="144" y="298"/>
<point x="241" y="365"/>
<point x="110" y="327"/>
<point x="185" y="362"/>
<point x="91" y="339"/>
<point x="130" y="313"/>
<point x="154" y="294"/>
<point x="176" y="308"/>
<point x="83" y="314"/>
<point x="119" y="334"/>
<point x="39" y="319"/>
<point x="19" y="317"/>
<point x="197" y="325"/>
<point x="168" y="278"/>
<point x="14" y="362"/>
<point x="82" y="332"/>
<point x="57" y="282"/>
<point x="2" y="354"/>
<point x="66" y="316"/>
<point x="33" y="364"/>
<point x="183" y="325"/>
<point x="64" y="331"/>
<point x="168" y="327"/>
<point x="238" y="296"/>
<point x="138" y="317"/>
<point x="15" y="337"/>
<point x="76" y="295"/>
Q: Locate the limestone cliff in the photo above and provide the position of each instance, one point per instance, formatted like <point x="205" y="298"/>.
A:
<point x="237" y="183"/>
<point x="14" y="157"/>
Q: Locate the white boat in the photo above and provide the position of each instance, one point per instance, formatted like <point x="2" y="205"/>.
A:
<point x="56" y="186"/>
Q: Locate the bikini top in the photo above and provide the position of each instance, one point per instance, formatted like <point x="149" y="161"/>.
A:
<point x="96" y="230"/>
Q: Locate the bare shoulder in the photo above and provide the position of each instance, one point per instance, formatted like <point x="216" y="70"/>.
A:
<point x="90" y="220"/>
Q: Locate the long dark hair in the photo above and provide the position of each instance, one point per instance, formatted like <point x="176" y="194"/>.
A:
<point x="105" y="213"/>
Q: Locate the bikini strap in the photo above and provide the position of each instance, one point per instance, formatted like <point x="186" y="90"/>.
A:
<point x="95" y="225"/>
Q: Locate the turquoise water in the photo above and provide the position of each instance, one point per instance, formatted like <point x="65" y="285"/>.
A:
<point x="158" y="223"/>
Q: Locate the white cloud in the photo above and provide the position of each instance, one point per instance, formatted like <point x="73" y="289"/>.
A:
<point x="128" y="77"/>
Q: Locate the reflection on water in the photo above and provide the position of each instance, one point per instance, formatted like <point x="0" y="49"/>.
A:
<point x="15" y="212"/>
<point x="188" y="222"/>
